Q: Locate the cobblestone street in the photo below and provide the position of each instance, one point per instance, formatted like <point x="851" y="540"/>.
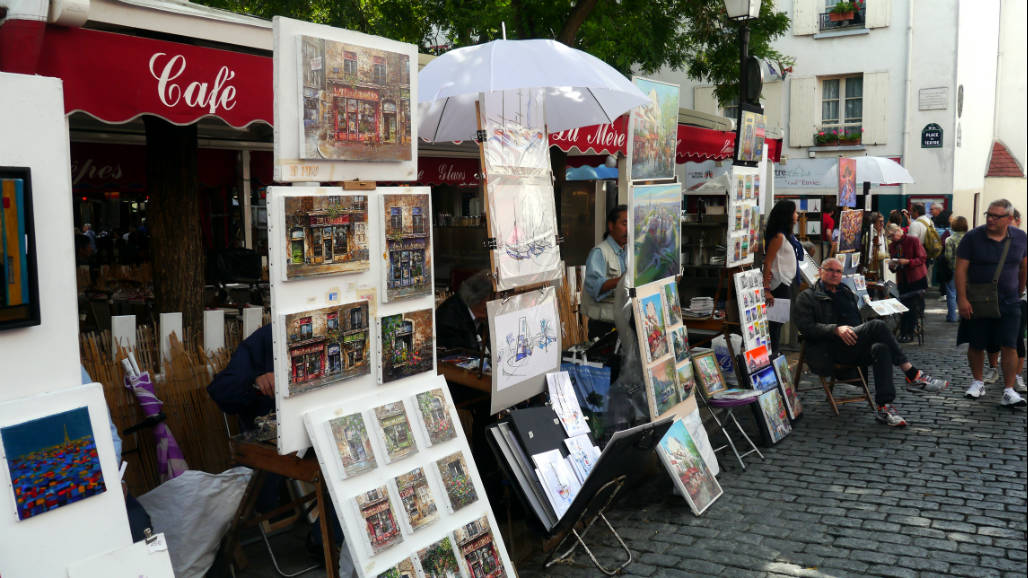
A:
<point x="846" y="496"/>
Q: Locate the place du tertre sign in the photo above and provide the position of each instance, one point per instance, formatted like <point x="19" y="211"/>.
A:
<point x="931" y="136"/>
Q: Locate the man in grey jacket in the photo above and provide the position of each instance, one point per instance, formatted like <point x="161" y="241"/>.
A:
<point x="829" y="318"/>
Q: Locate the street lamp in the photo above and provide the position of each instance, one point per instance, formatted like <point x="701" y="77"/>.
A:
<point x="743" y="11"/>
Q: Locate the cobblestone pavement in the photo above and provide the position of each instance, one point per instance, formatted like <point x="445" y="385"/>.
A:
<point x="846" y="496"/>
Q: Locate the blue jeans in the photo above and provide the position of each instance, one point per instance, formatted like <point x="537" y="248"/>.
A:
<point x="951" y="301"/>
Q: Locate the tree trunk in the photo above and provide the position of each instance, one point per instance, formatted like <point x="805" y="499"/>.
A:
<point x="173" y="216"/>
<point x="579" y="13"/>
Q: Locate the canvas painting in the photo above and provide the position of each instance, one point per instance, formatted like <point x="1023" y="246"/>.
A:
<point x="356" y="102"/>
<point x="791" y="398"/>
<point x="687" y="467"/>
<point x="751" y="137"/>
<point x="438" y="560"/>
<point x="380" y="524"/>
<point x="523" y="222"/>
<point x="353" y="444"/>
<point x="52" y="462"/>
<point x="515" y="126"/>
<point x="680" y="343"/>
<point x="475" y="543"/>
<point x="326" y="234"/>
<point x="19" y="300"/>
<point x="850" y="223"/>
<point x="674" y="304"/>
<point x="407" y="345"/>
<point x="686" y="379"/>
<point x="708" y="373"/>
<point x="663" y="387"/>
<point x="775" y="417"/>
<point x="654" y="233"/>
<point x="651" y="321"/>
<point x="403" y="569"/>
<point x="764" y="379"/>
<point x="435" y="415"/>
<point x="396" y="432"/>
<point x="525" y="338"/>
<point x="408" y="245"/>
<point x="847" y="182"/>
<point x="416" y="498"/>
<point x="460" y="489"/>
<point x="654" y="131"/>
<point x="757" y="357"/>
<point x="327" y="345"/>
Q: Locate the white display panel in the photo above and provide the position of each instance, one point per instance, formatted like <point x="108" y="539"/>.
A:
<point x="306" y="294"/>
<point x="46" y="543"/>
<point x="368" y="123"/>
<point x="343" y="489"/>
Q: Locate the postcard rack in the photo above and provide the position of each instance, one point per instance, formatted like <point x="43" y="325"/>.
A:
<point x="626" y="453"/>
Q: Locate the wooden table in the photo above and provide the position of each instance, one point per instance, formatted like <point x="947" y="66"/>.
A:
<point x="263" y="458"/>
<point x="467" y="377"/>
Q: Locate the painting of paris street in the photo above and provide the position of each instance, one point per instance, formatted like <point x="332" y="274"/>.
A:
<point x="356" y="102"/>
<point x="326" y="234"/>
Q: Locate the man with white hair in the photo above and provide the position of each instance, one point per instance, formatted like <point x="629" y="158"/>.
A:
<point x="940" y="216"/>
<point x="829" y="319"/>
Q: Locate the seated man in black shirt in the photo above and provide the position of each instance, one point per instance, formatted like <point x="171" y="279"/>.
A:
<point x="455" y="318"/>
<point x="246" y="387"/>
<point x="828" y="316"/>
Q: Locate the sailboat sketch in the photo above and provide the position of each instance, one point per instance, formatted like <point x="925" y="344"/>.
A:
<point x="515" y="125"/>
<point x="530" y="235"/>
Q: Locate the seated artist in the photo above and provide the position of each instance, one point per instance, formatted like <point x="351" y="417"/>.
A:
<point x="828" y="316"/>
<point x="604" y="267"/>
<point x="457" y="318"/>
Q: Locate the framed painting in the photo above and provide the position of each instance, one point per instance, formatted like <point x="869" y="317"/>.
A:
<point x="654" y="131"/>
<point x="850" y="223"/>
<point x="708" y="373"/>
<point x="791" y="398"/>
<point x="764" y="379"/>
<point x="690" y="472"/>
<point x="325" y="235"/>
<point x="327" y="345"/>
<point x="52" y="462"/>
<point x="654" y="232"/>
<point x="407" y="242"/>
<point x="19" y="289"/>
<point x="406" y="344"/>
<point x="776" y="419"/>
<point x="686" y="379"/>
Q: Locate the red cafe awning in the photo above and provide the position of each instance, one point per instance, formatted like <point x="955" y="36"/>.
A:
<point x="115" y="77"/>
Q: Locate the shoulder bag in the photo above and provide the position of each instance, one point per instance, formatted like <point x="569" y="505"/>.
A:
<point x="984" y="297"/>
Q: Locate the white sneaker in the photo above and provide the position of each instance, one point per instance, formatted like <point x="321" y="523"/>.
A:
<point x="1012" y="399"/>
<point x="990" y="375"/>
<point x="1021" y="387"/>
<point x="976" y="390"/>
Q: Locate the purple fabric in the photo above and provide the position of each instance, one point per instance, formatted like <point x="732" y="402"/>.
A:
<point x="715" y="402"/>
<point x="170" y="461"/>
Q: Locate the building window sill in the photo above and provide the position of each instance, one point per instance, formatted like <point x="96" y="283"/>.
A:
<point x="840" y="33"/>
<point x="833" y="148"/>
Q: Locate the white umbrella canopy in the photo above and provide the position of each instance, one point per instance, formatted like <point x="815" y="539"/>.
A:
<point x="875" y="170"/>
<point x="580" y="89"/>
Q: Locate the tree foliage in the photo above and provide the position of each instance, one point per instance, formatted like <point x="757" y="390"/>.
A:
<point x="633" y="36"/>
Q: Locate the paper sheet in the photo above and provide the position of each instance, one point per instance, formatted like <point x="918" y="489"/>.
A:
<point x="779" y="311"/>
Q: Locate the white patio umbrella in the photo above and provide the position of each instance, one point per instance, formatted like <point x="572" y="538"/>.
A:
<point x="875" y="170"/>
<point x="581" y="90"/>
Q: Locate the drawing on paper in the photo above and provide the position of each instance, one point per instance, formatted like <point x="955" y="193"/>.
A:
<point x="416" y="498"/>
<point x="436" y="416"/>
<point x="326" y="234"/>
<point x="515" y="126"/>
<point x="379" y="521"/>
<point x="327" y="345"/>
<point x="407" y="344"/>
<point x="655" y="131"/>
<point x="663" y="387"/>
<point x="529" y="343"/>
<point x="403" y="569"/>
<point x="52" y="462"/>
<point x="356" y="102"/>
<point x="685" y="463"/>
<point x="353" y="444"/>
<point x="523" y="222"/>
<point x="686" y="379"/>
<point x="408" y="244"/>
<point x="653" y="332"/>
<point x="438" y="561"/>
<point x="475" y="542"/>
<point x="457" y="480"/>
<point x="655" y="235"/>
<point x="396" y="432"/>
<point x="775" y="417"/>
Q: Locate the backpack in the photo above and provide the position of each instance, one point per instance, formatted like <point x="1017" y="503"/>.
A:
<point x="932" y="242"/>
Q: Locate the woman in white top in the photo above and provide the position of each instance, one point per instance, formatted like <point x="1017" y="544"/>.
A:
<point x="782" y="255"/>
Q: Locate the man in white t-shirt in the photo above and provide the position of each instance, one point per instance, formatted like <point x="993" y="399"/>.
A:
<point x="920" y="222"/>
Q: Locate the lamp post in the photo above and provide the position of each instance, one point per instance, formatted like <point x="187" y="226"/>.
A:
<point x="743" y="11"/>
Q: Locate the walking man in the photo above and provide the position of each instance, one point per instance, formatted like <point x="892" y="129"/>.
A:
<point x="995" y="253"/>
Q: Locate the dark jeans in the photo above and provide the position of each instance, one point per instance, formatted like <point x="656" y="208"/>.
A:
<point x="914" y="304"/>
<point x="877" y="347"/>
<point x="773" y="328"/>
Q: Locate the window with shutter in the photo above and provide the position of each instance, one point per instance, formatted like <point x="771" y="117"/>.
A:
<point x="842" y="108"/>
<point x="802" y="113"/>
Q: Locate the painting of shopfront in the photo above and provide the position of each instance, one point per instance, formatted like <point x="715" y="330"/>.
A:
<point x="327" y="345"/>
<point x="476" y="546"/>
<point x="408" y="245"/>
<point x="327" y="235"/>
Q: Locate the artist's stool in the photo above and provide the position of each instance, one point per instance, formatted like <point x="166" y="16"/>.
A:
<point x="263" y="458"/>
<point x="726" y="409"/>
